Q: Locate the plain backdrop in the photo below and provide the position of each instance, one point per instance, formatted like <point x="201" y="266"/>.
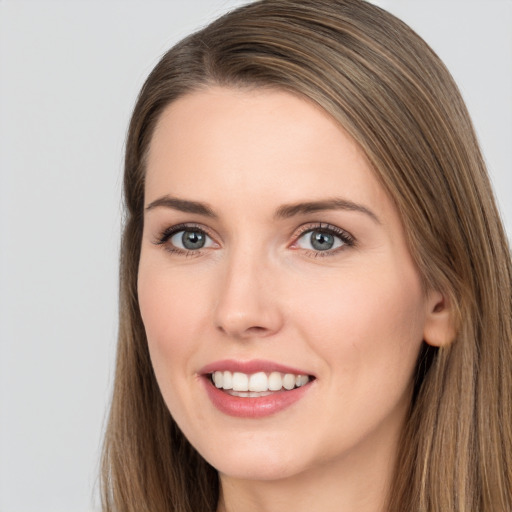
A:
<point x="69" y="75"/>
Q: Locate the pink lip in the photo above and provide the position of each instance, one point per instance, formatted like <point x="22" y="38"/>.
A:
<point x="255" y="407"/>
<point x="249" y="367"/>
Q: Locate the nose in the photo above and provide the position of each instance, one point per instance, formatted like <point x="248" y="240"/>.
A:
<point x="247" y="303"/>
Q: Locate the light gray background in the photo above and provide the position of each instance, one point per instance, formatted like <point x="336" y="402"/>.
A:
<point x="69" y="75"/>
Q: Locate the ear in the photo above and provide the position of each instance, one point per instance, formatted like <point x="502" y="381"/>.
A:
<point x="439" y="329"/>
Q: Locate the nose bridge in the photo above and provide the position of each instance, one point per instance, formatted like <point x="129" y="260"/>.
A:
<point x="247" y="304"/>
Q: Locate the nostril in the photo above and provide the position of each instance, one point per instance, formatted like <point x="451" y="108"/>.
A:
<point x="256" y="329"/>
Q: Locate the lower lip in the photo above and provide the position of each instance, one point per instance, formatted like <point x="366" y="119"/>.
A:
<point x="253" y="407"/>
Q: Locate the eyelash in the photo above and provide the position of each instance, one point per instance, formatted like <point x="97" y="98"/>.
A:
<point x="168" y="233"/>
<point x="346" y="238"/>
<point x="328" y="229"/>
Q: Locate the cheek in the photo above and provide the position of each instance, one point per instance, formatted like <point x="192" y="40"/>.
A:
<point x="366" y="321"/>
<point x="169" y="308"/>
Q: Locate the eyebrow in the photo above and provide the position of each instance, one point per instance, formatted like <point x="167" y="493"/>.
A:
<point x="290" y="210"/>
<point x="182" y="205"/>
<point x="283" y="212"/>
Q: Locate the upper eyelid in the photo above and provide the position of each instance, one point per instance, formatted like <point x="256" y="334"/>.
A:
<point x="183" y="226"/>
<point x="164" y="235"/>
<point x="321" y="226"/>
<point x="347" y="239"/>
<point x="187" y="226"/>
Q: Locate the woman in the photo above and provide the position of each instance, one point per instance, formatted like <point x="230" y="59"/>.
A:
<point x="315" y="283"/>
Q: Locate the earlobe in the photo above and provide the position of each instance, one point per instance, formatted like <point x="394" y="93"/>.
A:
<point x="439" y="329"/>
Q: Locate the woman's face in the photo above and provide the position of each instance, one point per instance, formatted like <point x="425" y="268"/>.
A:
<point x="273" y="258"/>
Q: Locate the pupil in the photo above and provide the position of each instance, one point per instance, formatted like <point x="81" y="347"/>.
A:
<point x="193" y="240"/>
<point x="322" y="241"/>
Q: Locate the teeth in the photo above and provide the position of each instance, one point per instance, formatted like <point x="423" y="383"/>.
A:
<point x="289" y="381"/>
<point x="275" y="381"/>
<point x="258" y="382"/>
<point x="301" y="380"/>
<point x="243" y="384"/>
<point x="218" y="379"/>
<point x="240" y="381"/>
<point x="227" y="380"/>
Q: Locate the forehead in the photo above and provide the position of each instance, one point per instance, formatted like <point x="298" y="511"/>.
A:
<point x="224" y="143"/>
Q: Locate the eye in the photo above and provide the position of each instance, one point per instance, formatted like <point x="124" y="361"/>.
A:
<point x="190" y="240"/>
<point x="185" y="239"/>
<point x="325" y="239"/>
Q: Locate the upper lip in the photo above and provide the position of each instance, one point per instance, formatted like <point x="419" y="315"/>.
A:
<point x="250" y="367"/>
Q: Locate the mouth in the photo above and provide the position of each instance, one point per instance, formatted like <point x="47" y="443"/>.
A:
<point x="257" y="384"/>
<point x="256" y="388"/>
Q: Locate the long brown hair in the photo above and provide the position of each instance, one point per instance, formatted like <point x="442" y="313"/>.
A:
<point x="389" y="90"/>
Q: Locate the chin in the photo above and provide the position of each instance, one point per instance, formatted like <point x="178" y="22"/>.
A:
<point x="259" y="470"/>
<point x="254" y="462"/>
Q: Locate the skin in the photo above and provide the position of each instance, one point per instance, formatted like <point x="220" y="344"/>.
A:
<point x="354" y="317"/>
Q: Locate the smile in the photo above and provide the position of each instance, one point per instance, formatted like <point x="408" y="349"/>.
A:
<point x="257" y="384"/>
<point x="254" y="389"/>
